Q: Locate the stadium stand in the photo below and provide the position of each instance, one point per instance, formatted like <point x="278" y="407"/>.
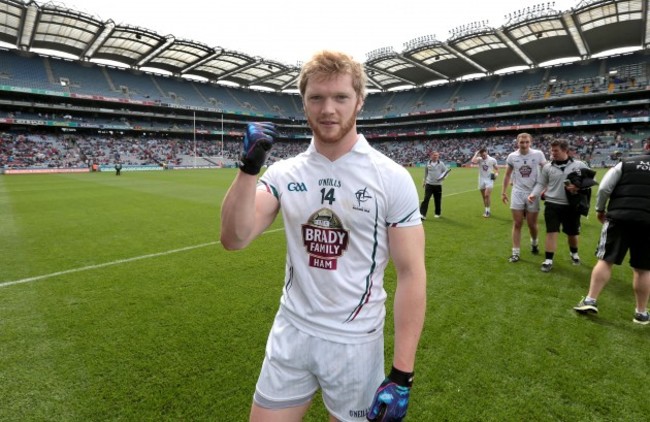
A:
<point x="67" y="113"/>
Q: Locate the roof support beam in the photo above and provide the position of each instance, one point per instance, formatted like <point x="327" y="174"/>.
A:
<point x="646" y="36"/>
<point x="423" y="67"/>
<point x="514" y="47"/>
<point x="571" y="26"/>
<point x="392" y="75"/>
<point x="28" y="27"/>
<point x="99" y="40"/>
<point x="206" y="59"/>
<point x="467" y="59"/>
<point x="169" y="40"/>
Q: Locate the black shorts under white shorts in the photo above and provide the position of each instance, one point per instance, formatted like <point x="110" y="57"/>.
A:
<point x="616" y="238"/>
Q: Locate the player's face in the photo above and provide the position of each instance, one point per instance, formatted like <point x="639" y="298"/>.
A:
<point x="523" y="142"/>
<point x="484" y="155"/>
<point x="435" y="156"/>
<point x="331" y="106"/>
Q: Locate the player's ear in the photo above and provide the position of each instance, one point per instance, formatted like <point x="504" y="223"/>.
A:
<point x="359" y="104"/>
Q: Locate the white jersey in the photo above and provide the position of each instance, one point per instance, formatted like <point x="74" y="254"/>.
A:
<point x="486" y="167"/>
<point x="336" y="218"/>
<point x="525" y="168"/>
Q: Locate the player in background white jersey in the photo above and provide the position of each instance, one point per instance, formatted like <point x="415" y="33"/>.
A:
<point x="487" y="174"/>
<point x="523" y="167"/>
<point x="347" y="210"/>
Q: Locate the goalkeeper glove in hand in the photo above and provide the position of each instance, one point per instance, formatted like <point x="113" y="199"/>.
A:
<point x="493" y="176"/>
<point x="257" y="143"/>
<point x="392" y="397"/>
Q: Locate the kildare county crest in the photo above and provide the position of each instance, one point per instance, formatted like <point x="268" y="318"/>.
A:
<point x="325" y="239"/>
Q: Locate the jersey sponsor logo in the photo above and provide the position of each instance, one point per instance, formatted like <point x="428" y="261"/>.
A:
<point x="297" y="187"/>
<point x="325" y="239"/>
<point x="525" y="170"/>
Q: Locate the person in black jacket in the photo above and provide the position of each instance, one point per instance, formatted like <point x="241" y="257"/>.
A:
<point x="626" y="226"/>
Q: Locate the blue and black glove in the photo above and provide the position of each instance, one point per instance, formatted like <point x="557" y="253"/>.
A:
<point x="257" y="144"/>
<point x="392" y="397"/>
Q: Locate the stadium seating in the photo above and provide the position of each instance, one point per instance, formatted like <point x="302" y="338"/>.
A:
<point x="78" y="78"/>
<point x="461" y="114"/>
<point x="23" y="71"/>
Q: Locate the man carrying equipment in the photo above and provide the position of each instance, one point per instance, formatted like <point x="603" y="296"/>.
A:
<point x="347" y="209"/>
<point x="487" y="174"/>
<point x="554" y="181"/>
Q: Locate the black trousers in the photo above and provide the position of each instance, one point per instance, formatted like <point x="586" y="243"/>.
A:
<point x="436" y="191"/>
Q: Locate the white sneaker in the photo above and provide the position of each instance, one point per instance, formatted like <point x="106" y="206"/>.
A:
<point x="575" y="259"/>
<point x="436" y="216"/>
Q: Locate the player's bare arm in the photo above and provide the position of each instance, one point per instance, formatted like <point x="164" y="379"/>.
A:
<point x="506" y="182"/>
<point x="245" y="212"/>
<point x="407" y="253"/>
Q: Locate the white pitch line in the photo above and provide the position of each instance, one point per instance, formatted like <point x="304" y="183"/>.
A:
<point x="458" y="193"/>
<point x="108" y="264"/>
<point x="136" y="258"/>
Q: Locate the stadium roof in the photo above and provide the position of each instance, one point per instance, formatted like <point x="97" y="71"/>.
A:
<point x="531" y="37"/>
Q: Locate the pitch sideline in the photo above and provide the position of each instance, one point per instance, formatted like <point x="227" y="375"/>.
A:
<point x="117" y="262"/>
<point x="135" y="258"/>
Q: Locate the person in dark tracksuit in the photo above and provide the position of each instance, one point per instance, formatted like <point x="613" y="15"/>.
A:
<point x="623" y="207"/>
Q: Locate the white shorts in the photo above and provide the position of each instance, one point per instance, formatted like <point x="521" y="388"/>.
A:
<point x="297" y="364"/>
<point x="519" y="201"/>
<point x="485" y="183"/>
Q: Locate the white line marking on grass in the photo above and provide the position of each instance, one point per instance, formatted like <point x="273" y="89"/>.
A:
<point x="136" y="258"/>
<point x="458" y="193"/>
<point x="119" y="261"/>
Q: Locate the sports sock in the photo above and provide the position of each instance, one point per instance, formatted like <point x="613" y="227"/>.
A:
<point x="516" y="251"/>
<point x="573" y="250"/>
<point x="549" y="256"/>
<point x="533" y="242"/>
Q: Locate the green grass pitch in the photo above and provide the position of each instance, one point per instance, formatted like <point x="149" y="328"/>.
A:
<point x="118" y="303"/>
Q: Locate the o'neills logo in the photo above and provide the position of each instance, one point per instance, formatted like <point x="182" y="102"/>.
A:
<point x="325" y="239"/>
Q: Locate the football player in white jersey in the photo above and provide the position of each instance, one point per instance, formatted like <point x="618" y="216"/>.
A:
<point x="523" y="166"/>
<point x="347" y="209"/>
<point x="487" y="174"/>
